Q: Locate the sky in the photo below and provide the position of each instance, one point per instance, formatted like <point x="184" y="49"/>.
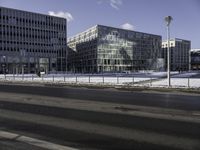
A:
<point x="139" y="15"/>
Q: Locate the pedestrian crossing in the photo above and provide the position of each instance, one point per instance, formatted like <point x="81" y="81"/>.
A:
<point x="160" y="128"/>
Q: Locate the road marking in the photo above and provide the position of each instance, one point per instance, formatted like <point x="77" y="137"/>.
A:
<point x="104" y="107"/>
<point x="185" y="143"/>
<point x="33" y="141"/>
<point x="196" y="114"/>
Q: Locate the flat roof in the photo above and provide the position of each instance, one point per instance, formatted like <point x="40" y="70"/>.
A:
<point x="128" y="30"/>
<point x="177" y="39"/>
<point x="110" y="27"/>
<point x="32" y="12"/>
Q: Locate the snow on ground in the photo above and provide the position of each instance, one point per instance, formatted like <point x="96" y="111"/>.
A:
<point x="161" y="74"/>
<point x="75" y="78"/>
<point x="179" y="82"/>
<point x="139" y="79"/>
<point x="174" y="82"/>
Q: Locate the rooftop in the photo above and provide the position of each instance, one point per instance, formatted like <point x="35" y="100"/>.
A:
<point x="109" y="27"/>
<point x="31" y="12"/>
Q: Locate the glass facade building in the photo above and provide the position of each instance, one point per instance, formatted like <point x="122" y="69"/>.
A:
<point x="108" y="49"/>
<point x="31" y="41"/>
<point x="195" y="59"/>
<point x="180" y="54"/>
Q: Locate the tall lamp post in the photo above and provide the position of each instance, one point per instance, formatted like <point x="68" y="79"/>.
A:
<point x="189" y="60"/>
<point x="168" y="20"/>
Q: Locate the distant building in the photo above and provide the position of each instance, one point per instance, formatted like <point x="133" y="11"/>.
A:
<point x="108" y="49"/>
<point x="195" y="59"/>
<point x="180" y="50"/>
<point x="30" y="42"/>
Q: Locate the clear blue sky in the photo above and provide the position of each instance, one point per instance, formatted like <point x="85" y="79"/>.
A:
<point x="142" y="15"/>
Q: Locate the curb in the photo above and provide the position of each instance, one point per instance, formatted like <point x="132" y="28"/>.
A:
<point x="33" y="141"/>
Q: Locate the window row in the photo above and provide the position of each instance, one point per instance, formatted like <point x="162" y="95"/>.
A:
<point x="39" y="43"/>
<point x="29" y="22"/>
<point x="30" y="50"/>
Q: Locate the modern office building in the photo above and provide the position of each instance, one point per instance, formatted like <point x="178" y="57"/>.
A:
<point x="30" y="42"/>
<point x="108" y="49"/>
<point x="195" y="59"/>
<point x="180" y="54"/>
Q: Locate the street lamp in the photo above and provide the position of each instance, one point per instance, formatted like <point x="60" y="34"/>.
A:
<point x="189" y="60"/>
<point x="168" y="20"/>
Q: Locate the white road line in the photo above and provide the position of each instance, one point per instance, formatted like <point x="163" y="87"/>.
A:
<point x="179" y="142"/>
<point x="33" y="141"/>
<point x="104" y="107"/>
<point x="196" y="114"/>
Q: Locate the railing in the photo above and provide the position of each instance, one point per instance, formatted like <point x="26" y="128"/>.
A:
<point x="105" y="79"/>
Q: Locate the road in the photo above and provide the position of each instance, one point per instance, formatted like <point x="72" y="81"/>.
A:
<point x="101" y="118"/>
<point x="13" y="145"/>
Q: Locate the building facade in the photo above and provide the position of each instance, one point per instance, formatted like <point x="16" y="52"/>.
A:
<point x="108" y="49"/>
<point x="180" y="54"/>
<point x="30" y="42"/>
<point x="195" y="59"/>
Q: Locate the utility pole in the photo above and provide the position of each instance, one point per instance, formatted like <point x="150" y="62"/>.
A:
<point x="168" y="20"/>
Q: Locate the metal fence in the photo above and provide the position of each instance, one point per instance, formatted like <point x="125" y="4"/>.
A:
<point x="103" y="79"/>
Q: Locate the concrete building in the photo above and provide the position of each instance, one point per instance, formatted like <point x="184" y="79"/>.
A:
<point x="195" y="59"/>
<point x="108" y="49"/>
<point x="30" y="42"/>
<point x="180" y="54"/>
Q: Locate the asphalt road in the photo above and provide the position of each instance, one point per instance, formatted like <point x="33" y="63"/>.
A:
<point x="185" y="102"/>
<point x="89" y="129"/>
<point x="13" y="145"/>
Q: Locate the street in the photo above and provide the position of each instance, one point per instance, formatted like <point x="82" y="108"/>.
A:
<point x="10" y="145"/>
<point x="101" y="118"/>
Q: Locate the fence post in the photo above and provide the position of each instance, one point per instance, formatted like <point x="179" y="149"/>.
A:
<point x="13" y="76"/>
<point x="133" y="80"/>
<point x="188" y="82"/>
<point x="76" y="79"/>
<point x="32" y="77"/>
<point x="117" y="80"/>
<point x="151" y="81"/>
<point x="64" y="78"/>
